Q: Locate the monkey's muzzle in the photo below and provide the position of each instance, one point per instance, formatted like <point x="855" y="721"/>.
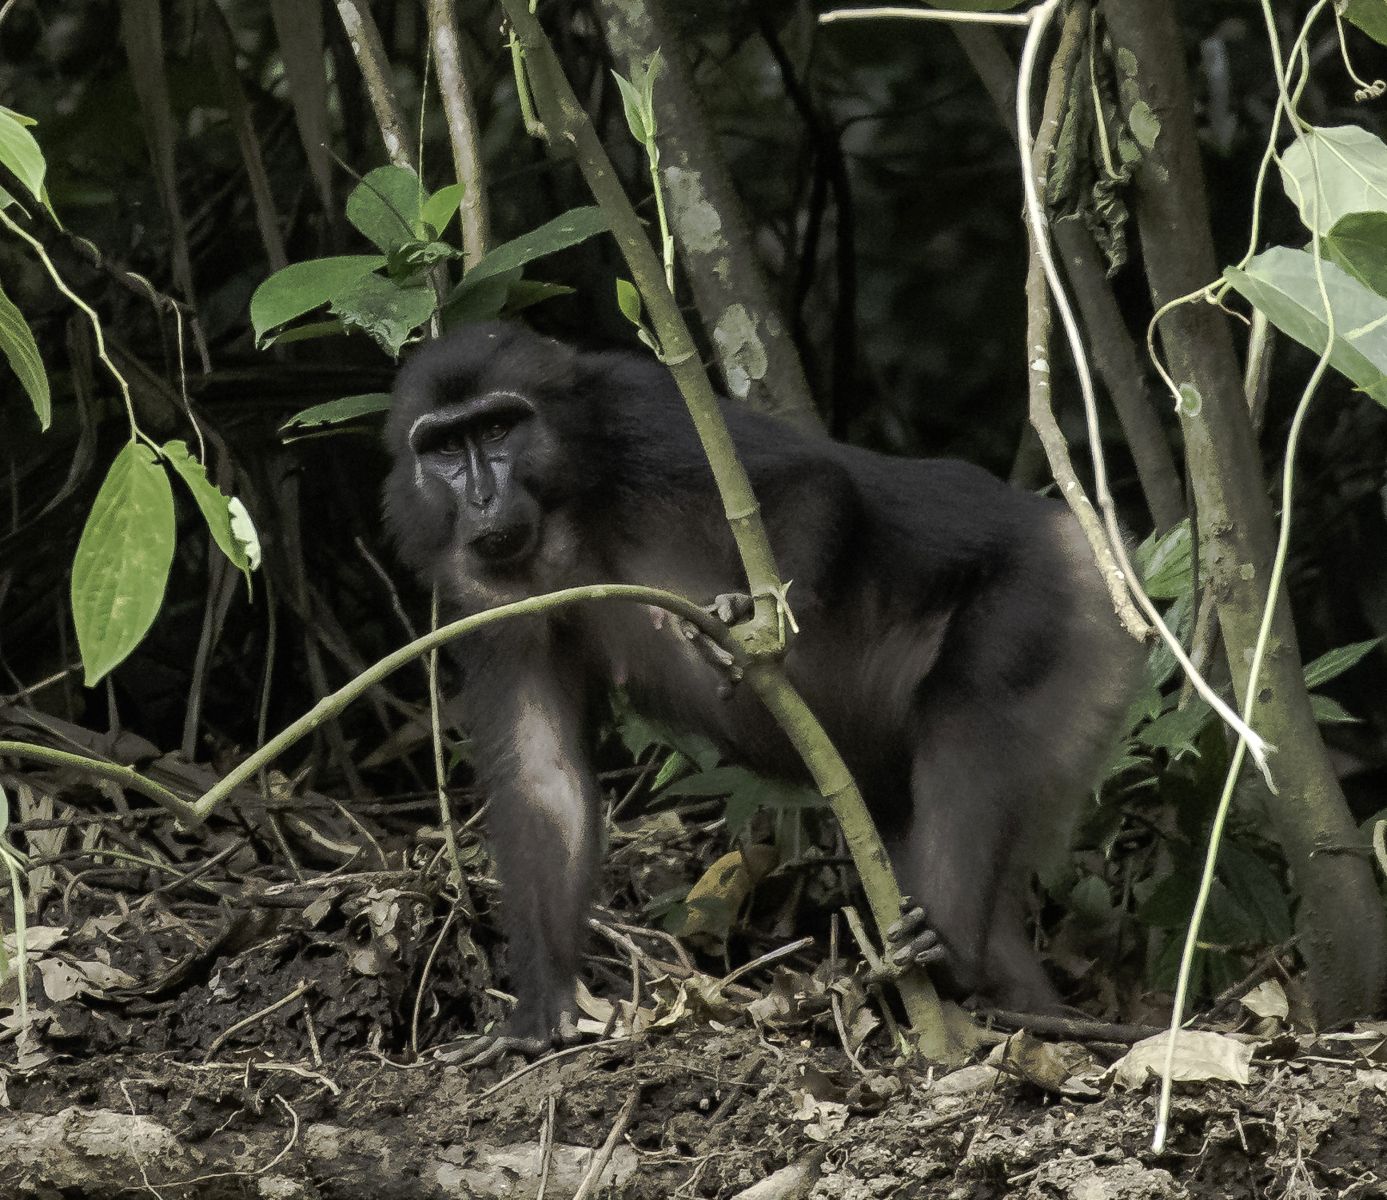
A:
<point x="503" y="545"/>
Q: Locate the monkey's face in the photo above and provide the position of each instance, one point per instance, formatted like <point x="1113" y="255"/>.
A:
<point x="471" y="459"/>
<point x="488" y="433"/>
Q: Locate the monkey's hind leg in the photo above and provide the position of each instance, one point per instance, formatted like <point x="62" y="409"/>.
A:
<point x="960" y="859"/>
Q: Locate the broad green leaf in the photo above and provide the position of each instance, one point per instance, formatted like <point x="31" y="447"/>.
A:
<point x="17" y="342"/>
<point x="122" y="561"/>
<point x="213" y="503"/>
<point x="386" y="206"/>
<point x="335" y="412"/>
<point x="478" y="300"/>
<point x="1281" y="283"/>
<point x="628" y="299"/>
<point x="1166" y="572"/>
<point x="524" y="293"/>
<point x="385" y="311"/>
<point x="1370" y="16"/>
<point x="1336" y="662"/>
<point x="438" y="210"/>
<point x="1358" y="243"/>
<point x="1352" y="167"/>
<point x="302" y="287"/>
<point x="574" y="226"/>
<point x="1329" y="711"/>
<point x="20" y="152"/>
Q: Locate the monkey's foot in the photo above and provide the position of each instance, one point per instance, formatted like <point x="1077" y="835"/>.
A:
<point x="910" y="942"/>
<point x="486" y="1049"/>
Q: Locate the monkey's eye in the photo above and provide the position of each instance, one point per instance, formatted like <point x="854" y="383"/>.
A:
<point x="492" y="432"/>
<point x="451" y="443"/>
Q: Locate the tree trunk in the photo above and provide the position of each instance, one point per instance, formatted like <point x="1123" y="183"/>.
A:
<point x="1343" y="928"/>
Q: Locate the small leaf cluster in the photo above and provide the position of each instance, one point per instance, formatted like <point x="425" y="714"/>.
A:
<point x="391" y="295"/>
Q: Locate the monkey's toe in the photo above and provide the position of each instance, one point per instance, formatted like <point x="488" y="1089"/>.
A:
<point x="910" y="942"/>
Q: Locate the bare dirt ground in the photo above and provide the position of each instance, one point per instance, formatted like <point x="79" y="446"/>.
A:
<point x="231" y="1027"/>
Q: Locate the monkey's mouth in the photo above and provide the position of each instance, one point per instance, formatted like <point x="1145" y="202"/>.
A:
<point x="501" y="547"/>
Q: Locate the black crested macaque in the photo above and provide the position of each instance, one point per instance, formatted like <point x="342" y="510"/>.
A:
<point x="956" y="640"/>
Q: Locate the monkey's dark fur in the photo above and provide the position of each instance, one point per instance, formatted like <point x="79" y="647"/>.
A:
<point x="957" y="642"/>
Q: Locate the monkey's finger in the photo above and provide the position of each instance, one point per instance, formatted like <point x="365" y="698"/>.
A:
<point x="731" y="608"/>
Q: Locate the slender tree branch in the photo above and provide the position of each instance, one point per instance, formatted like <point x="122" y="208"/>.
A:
<point x="462" y="129"/>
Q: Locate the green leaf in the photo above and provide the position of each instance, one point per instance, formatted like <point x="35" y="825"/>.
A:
<point x="628" y="299"/>
<point x="122" y="561"/>
<point x="214" y="505"/>
<point x="438" y="210"/>
<point x="17" y="341"/>
<point x="21" y="154"/>
<point x="1281" y="283"/>
<point x="1259" y="890"/>
<point x="1358" y="243"/>
<point x="383" y="310"/>
<point x="1352" y="168"/>
<point x="1329" y="711"/>
<point x="1177" y="731"/>
<point x="302" y="287"/>
<point x="337" y="412"/>
<point x="653" y="67"/>
<point x="1166" y="571"/>
<point x="524" y="293"/>
<point x="574" y="226"/>
<point x="1370" y="16"/>
<point x="631" y="104"/>
<point x="1336" y="662"/>
<point x="478" y="300"/>
<point x="387" y="206"/>
<point x="303" y="333"/>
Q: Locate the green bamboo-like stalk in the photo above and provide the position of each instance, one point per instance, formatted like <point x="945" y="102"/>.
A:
<point x="937" y="1030"/>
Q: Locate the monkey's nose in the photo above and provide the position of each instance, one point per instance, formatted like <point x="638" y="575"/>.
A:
<point x="498" y="545"/>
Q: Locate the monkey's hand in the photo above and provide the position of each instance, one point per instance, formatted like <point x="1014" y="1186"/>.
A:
<point x="910" y="942"/>
<point x="731" y="608"/>
<point x="487" y="1049"/>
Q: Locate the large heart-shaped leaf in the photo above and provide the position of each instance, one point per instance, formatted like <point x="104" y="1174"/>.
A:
<point x="1281" y="283"/>
<point x="1351" y="164"/>
<point x="122" y="561"/>
<point x="1370" y="16"/>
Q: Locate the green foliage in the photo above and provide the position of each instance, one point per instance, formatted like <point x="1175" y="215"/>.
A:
<point x="1336" y="662"/>
<point x="239" y="544"/>
<point x="1283" y="283"/>
<point x="387" y="208"/>
<point x="568" y="229"/>
<point x="1358" y="243"/>
<point x="338" y="412"/>
<point x="17" y="343"/>
<point x="1351" y="165"/>
<point x="123" y="558"/>
<point x="391" y="296"/>
<point x="302" y="287"/>
<point x="1370" y="16"/>
<point x="21" y="155"/>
